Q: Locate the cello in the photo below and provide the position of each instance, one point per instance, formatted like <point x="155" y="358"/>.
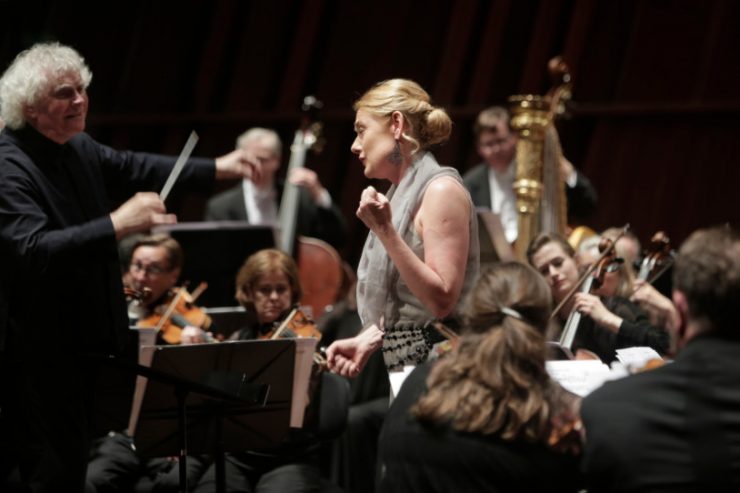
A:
<point x="319" y="264"/>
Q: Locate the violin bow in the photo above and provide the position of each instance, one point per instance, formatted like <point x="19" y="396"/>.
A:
<point x="588" y="272"/>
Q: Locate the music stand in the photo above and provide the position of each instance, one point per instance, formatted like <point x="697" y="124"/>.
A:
<point x="214" y="252"/>
<point x="213" y="398"/>
<point x="493" y="245"/>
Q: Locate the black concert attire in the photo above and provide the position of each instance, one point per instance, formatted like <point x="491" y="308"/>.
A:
<point x="323" y="223"/>
<point x="421" y="457"/>
<point x="353" y="465"/>
<point x="636" y="330"/>
<point x="66" y="297"/>
<point x="582" y="197"/>
<point x="672" y="429"/>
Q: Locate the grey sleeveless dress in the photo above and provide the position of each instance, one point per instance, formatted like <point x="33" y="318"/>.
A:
<point x="381" y="292"/>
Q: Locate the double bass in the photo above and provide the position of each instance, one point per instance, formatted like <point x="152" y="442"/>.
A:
<point x="319" y="264"/>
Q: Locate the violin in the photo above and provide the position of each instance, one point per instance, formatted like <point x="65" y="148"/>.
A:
<point x="176" y="313"/>
<point x="297" y="324"/>
<point x="592" y="279"/>
<point x="658" y="259"/>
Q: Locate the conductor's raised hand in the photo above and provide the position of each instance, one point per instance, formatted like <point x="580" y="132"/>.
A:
<point x="239" y="163"/>
<point x="375" y="210"/>
<point x="140" y="213"/>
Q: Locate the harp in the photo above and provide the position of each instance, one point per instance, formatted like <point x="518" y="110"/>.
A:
<point x="539" y="184"/>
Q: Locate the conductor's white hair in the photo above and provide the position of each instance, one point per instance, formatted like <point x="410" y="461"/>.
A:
<point x="31" y="75"/>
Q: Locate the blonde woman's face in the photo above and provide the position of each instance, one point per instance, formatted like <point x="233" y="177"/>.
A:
<point x="374" y="144"/>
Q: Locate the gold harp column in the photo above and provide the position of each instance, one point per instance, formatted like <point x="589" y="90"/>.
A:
<point x="529" y="119"/>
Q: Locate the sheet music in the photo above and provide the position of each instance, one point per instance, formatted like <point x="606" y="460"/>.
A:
<point x="304" y="349"/>
<point x="580" y="377"/>
<point x="636" y="357"/>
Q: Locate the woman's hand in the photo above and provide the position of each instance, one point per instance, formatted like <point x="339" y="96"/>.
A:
<point x="348" y="357"/>
<point x="375" y="211"/>
<point x="592" y="306"/>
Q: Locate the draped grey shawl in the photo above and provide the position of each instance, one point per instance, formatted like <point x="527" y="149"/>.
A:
<point x="376" y="273"/>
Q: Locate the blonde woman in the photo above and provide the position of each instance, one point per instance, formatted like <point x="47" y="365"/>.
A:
<point x="422" y="253"/>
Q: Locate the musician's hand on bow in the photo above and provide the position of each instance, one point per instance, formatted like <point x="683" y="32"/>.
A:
<point x="239" y="163"/>
<point x="592" y="306"/>
<point x="375" y="211"/>
<point x="140" y="213"/>
<point x="304" y="177"/>
<point x="348" y="357"/>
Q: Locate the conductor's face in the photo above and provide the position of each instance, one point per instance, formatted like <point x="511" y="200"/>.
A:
<point x="61" y="111"/>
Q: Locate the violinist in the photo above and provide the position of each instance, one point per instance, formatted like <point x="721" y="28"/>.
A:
<point x="675" y="428"/>
<point x="268" y="287"/>
<point x="256" y="199"/>
<point x="156" y="262"/>
<point x="610" y="322"/>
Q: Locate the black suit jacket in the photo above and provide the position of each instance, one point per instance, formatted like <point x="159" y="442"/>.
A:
<point x="676" y="428"/>
<point x="314" y="221"/>
<point x="582" y="198"/>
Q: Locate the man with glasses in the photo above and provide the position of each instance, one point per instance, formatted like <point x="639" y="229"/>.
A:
<point x="490" y="183"/>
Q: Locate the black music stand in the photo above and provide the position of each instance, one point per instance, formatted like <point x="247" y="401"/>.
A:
<point x="212" y="399"/>
<point x="214" y="252"/>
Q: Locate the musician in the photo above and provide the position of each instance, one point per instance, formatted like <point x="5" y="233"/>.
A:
<point x="268" y="287"/>
<point x="675" y="428"/>
<point x="610" y="323"/>
<point x="422" y="252"/>
<point x="486" y="417"/>
<point x="491" y="182"/>
<point x="256" y="199"/>
<point x="154" y="269"/>
<point x="57" y="185"/>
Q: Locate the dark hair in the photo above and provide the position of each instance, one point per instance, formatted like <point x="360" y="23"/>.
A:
<point x="171" y="246"/>
<point x="543" y="239"/>
<point x="707" y="271"/>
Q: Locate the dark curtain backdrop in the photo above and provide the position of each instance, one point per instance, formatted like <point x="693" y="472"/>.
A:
<point x="655" y="109"/>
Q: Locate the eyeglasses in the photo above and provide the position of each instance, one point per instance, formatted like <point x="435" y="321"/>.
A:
<point x="615" y="265"/>
<point x="152" y="270"/>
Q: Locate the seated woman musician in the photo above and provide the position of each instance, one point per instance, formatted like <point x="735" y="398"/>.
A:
<point x="486" y="417"/>
<point x="611" y="322"/>
<point x="156" y="262"/>
<point x="268" y="287"/>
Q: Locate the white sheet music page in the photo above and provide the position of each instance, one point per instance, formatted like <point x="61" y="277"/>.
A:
<point x="147" y="338"/>
<point x="304" y="349"/>
<point x="580" y="377"/>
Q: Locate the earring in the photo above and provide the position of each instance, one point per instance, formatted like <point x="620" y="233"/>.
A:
<point x="395" y="158"/>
